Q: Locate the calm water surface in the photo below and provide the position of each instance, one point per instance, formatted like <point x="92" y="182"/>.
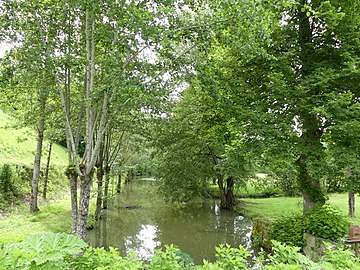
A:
<point x="141" y="221"/>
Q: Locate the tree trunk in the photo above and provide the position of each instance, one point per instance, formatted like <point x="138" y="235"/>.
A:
<point x="351" y="204"/>
<point x="46" y="174"/>
<point x="310" y="187"/>
<point x="226" y="191"/>
<point x="36" y="171"/>
<point x="222" y="193"/>
<point x="118" y="185"/>
<point x="106" y="189"/>
<point x="73" y="176"/>
<point x="312" y="128"/>
<point x="99" y="198"/>
<point x="229" y="192"/>
<point x="83" y="213"/>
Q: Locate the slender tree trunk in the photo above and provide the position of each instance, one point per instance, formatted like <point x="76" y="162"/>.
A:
<point x="104" y="232"/>
<point x="106" y="189"/>
<point x="73" y="176"/>
<point x="46" y="174"/>
<point x="352" y="204"/>
<point x="83" y="213"/>
<point x="118" y="185"/>
<point x="99" y="198"/>
<point x="95" y="126"/>
<point x="36" y="170"/>
<point x="222" y="194"/>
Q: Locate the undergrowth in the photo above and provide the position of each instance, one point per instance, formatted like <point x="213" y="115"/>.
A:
<point x="63" y="251"/>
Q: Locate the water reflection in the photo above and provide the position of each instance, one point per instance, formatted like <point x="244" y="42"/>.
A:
<point x="140" y="221"/>
<point x="146" y="242"/>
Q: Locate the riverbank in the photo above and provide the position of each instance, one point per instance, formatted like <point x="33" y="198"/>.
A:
<point x="55" y="214"/>
<point x="274" y="208"/>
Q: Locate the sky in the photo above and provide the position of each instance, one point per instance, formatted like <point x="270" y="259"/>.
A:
<point x="4" y="47"/>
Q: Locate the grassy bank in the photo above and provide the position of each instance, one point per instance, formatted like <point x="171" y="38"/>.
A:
<point x="18" y="144"/>
<point x="273" y="208"/>
<point x="17" y="152"/>
<point x="55" y="216"/>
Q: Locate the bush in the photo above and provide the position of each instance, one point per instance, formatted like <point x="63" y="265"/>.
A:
<point x="99" y="258"/>
<point x="228" y="258"/>
<point x="288" y="230"/>
<point x="11" y="188"/>
<point x="339" y="259"/>
<point x="288" y="255"/>
<point x="7" y="187"/>
<point x="171" y="258"/>
<point x="231" y="258"/>
<point x="326" y="222"/>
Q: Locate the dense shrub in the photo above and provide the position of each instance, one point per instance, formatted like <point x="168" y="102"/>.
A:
<point x="324" y="222"/>
<point x="11" y="188"/>
<point x="7" y="187"/>
<point x="288" y="230"/>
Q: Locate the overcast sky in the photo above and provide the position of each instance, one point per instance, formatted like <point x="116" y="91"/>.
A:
<point x="3" y="48"/>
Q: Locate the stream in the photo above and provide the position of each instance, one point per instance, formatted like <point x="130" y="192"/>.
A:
<point x="139" y="220"/>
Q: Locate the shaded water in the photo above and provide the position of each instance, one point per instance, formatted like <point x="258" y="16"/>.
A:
<point x="141" y="221"/>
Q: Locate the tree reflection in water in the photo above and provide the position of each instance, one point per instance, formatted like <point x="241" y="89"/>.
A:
<point x="141" y="221"/>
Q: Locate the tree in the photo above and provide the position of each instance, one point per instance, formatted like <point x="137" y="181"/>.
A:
<point x="98" y="65"/>
<point x="195" y="146"/>
<point x="207" y="121"/>
<point x="316" y="55"/>
<point x="115" y="80"/>
<point x="34" y="26"/>
<point x="280" y="87"/>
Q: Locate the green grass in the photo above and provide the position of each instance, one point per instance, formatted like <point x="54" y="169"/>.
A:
<point x="17" y="147"/>
<point x="273" y="208"/>
<point x="55" y="216"/>
<point x="18" y="144"/>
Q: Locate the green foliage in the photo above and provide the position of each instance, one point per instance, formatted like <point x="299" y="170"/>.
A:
<point x="7" y="185"/>
<point x="288" y="230"/>
<point x="228" y="258"/>
<point x="326" y="222"/>
<point x="171" y="258"/>
<point x="339" y="259"/>
<point x="12" y="186"/>
<point x="101" y="259"/>
<point x="260" y="235"/>
<point x="231" y="258"/>
<point x="259" y="187"/>
<point x="289" y="255"/>
<point x="41" y="251"/>
<point x="62" y="251"/>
